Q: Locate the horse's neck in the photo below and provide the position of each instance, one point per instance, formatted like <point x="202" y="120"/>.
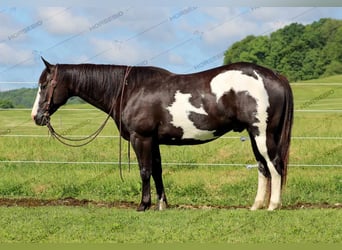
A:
<point x="99" y="103"/>
<point x="101" y="94"/>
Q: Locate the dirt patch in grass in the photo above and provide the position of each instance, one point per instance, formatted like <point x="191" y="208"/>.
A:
<point x="73" y="202"/>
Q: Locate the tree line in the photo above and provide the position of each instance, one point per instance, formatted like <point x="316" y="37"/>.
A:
<point x="298" y="51"/>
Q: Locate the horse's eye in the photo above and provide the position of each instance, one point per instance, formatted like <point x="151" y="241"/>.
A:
<point x="43" y="85"/>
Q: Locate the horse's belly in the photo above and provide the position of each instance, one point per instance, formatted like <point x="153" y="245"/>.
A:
<point x="184" y="135"/>
<point x="181" y="141"/>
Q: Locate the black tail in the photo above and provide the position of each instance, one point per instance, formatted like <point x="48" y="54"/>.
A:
<point x="285" y="132"/>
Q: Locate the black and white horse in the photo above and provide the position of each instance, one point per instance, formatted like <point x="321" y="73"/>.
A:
<point x="153" y="106"/>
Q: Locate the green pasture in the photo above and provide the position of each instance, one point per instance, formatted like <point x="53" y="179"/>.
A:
<point x="206" y="177"/>
<point x="64" y="224"/>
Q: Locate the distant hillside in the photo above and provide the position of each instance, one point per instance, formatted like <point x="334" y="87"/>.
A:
<point x="300" y="52"/>
<point x="23" y="98"/>
<point x="18" y="98"/>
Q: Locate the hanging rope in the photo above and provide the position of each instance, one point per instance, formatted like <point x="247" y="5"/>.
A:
<point x="128" y="70"/>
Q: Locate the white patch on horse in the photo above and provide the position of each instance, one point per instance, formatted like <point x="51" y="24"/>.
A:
<point x="180" y="111"/>
<point x="35" y="105"/>
<point x="238" y="82"/>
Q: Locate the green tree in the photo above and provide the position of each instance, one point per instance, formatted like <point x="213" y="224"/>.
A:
<point x="6" y="104"/>
<point x="233" y="54"/>
<point x="298" y="51"/>
<point x="334" y="68"/>
<point x="313" y="64"/>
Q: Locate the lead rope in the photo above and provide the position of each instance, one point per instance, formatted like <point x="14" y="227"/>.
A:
<point x="128" y="69"/>
<point x="62" y="139"/>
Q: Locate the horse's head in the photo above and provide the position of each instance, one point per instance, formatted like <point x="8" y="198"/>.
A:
<point x="52" y="93"/>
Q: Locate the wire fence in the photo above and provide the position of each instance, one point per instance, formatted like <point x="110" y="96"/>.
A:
<point x="190" y="164"/>
<point x="9" y="133"/>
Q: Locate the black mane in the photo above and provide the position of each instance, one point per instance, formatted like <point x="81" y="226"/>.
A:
<point x="92" y="77"/>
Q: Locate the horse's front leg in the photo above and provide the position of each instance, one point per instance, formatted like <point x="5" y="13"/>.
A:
<point x="157" y="177"/>
<point x="143" y="150"/>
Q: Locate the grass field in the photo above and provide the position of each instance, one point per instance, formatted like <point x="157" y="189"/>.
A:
<point x="208" y="186"/>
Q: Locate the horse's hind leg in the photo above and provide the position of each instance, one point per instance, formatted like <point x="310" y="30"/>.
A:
<point x="267" y="173"/>
<point x="261" y="198"/>
<point x="263" y="178"/>
<point x="157" y="177"/>
<point x="273" y="164"/>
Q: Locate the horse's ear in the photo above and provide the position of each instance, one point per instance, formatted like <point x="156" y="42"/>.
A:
<point x="47" y="65"/>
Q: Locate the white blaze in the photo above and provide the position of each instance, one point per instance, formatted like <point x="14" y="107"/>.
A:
<point x="35" y="105"/>
<point x="180" y="111"/>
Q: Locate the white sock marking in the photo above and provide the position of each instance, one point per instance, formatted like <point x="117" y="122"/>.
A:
<point x="162" y="204"/>
<point x="261" y="193"/>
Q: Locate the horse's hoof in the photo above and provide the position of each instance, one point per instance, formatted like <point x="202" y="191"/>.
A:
<point x="162" y="205"/>
<point x="273" y="206"/>
<point x="143" y="207"/>
<point x="257" y="205"/>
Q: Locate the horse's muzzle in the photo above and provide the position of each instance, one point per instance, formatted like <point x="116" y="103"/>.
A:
<point x="41" y="119"/>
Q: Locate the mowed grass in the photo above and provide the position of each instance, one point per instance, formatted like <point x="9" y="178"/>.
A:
<point x="64" y="224"/>
<point x="34" y="165"/>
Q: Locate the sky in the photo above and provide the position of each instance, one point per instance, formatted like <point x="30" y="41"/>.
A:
<point x="182" y="38"/>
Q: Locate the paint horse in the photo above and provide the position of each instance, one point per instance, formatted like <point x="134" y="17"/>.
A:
<point x="153" y="106"/>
